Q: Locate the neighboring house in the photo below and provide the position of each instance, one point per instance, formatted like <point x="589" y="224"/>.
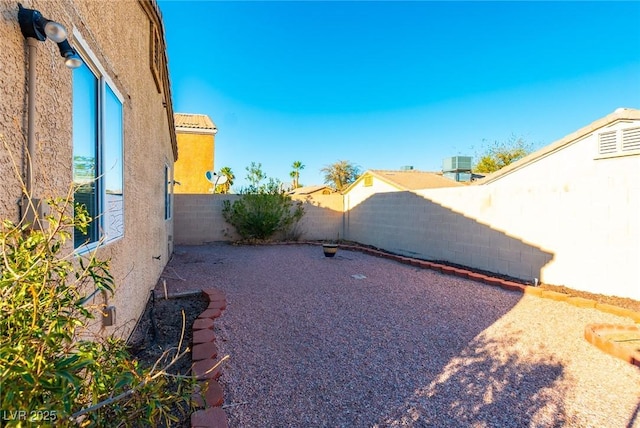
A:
<point x="382" y="181"/>
<point x="312" y="190"/>
<point x="196" y="144"/>
<point x="609" y="145"/>
<point x="104" y="129"/>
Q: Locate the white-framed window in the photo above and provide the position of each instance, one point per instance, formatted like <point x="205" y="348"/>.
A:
<point x="618" y="142"/>
<point x="98" y="143"/>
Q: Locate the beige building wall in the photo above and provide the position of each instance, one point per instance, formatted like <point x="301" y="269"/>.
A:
<point x="359" y="191"/>
<point x="119" y="36"/>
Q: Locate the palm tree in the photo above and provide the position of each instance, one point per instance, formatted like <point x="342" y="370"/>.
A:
<point x="295" y="174"/>
<point x="340" y="174"/>
<point x="224" y="187"/>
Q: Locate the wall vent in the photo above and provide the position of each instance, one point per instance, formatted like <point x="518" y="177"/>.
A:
<point x="622" y="142"/>
<point x="607" y="142"/>
<point x="630" y="139"/>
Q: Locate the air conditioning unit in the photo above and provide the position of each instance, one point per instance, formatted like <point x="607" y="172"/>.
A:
<point x="457" y="164"/>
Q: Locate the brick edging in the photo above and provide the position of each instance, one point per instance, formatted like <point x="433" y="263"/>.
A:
<point x="591" y="333"/>
<point x="209" y="395"/>
<point x="596" y="335"/>
<point x="489" y="280"/>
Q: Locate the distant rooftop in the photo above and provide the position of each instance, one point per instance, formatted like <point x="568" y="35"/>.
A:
<point x="190" y="122"/>
<point x="308" y="190"/>
<point x="414" y="180"/>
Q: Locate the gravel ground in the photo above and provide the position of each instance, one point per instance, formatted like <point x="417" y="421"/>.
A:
<point x="312" y="345"/>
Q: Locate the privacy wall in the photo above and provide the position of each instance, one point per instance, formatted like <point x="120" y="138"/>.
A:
<point x="198" y="218"/>
<point x="568" y="215"/>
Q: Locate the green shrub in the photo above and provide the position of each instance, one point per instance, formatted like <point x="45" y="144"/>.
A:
<point x="50" y="373"/>
<point x="262" y="211"/>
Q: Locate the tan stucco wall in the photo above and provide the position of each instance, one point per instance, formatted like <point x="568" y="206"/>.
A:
<point x="196" y="158"/>
<point x="118" y="33"/>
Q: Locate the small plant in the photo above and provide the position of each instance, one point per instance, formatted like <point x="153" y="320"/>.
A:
<point x="263" y="210"/>
<point x="50" y="373"/>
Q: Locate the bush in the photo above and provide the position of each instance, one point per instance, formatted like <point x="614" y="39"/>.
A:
<point x="50" y="373"/>
<point x="262" y="211"/>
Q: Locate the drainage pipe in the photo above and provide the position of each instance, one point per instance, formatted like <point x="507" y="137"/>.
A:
<point x="31" y="118"/>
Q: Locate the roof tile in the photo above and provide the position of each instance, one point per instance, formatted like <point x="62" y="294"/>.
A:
<point x="195" y="121"/>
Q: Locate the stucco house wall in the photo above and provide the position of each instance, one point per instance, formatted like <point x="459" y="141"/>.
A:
<point x="196" y="145"/>
<point x="373" y="182"/>
<point x="118" y="36"/>
<point x="359" y="192"/>
<point x="196" y="158"/>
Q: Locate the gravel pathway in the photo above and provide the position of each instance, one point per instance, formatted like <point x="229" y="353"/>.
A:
<point x="359" y="341"/>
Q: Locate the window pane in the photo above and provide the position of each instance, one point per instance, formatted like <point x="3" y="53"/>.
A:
<point x="112" y="166"/>
<point x="85" y="143"/>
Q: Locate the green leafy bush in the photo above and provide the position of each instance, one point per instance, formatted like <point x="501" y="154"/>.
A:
<point x="50" y="372"/>
<point x="262" y="211"/>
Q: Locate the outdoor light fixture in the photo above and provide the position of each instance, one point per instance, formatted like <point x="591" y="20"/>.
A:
<point x="71" y="58"/>
<point x="34" y="25"/>
<point x="36" y="28"/>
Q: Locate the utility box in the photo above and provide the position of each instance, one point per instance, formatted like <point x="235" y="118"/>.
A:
<point x="109" y="316"/>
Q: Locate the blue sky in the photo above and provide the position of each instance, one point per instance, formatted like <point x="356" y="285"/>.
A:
<point x="388" y="84"/>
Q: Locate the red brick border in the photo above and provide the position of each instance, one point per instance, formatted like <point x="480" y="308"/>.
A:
<point x="213" y="416"/>
<point x="591" y="331"/>
<point x="596" y="335"/>
<point x="208" y="395"/>
<point x="491" y="280"/>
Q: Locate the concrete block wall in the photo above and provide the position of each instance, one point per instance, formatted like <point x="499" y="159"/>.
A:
<point x="569" y="218"/>
<point x="198" y="218"/>
<point x="322" y="218"/>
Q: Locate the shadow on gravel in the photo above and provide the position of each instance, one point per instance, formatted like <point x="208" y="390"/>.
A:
<point x="486" y="386"/>
<point x="634" y="417"/>
<point x="312" y="345"/>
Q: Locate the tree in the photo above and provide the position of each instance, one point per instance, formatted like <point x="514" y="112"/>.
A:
<point x="295" y="174"/>
<point x="255" y="175"/>
<point x="340" y="174"/>
<point x="500" y="154"/>
<point x="264" y="208"/>
<point x="226" y="186"/>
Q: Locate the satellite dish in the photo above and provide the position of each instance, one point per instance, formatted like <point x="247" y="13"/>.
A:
<point x="215" y="178"/>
